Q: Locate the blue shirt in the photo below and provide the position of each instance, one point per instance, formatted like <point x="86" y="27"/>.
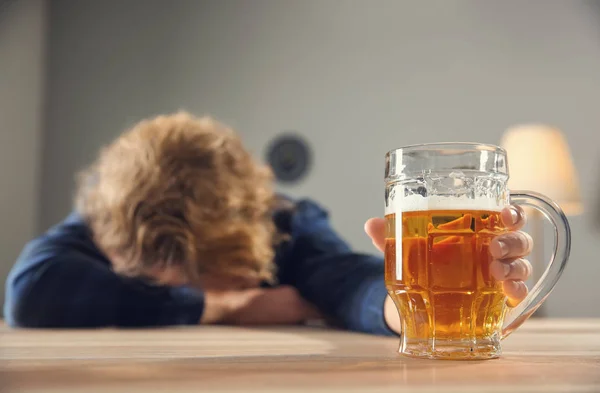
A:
<point x="62" y="280"/>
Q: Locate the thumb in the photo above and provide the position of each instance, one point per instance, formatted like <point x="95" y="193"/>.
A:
<point x="375" y="228"/>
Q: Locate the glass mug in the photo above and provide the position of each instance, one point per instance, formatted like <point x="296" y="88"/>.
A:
<point x="442" y="209"/>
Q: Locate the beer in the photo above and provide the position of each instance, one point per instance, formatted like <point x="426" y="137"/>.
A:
<point x="440" y="280"/>
<point x="442" y="209"/>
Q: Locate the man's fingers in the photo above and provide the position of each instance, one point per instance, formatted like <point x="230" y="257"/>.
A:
<point x="513" y="217"/>
<point x="515" y="291"/>
<point x="519" y="269"/>
<point x="511" y="245"/>
<point x="375" y="228"/>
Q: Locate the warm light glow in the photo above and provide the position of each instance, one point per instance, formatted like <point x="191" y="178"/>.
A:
<point x="539" y="160"/>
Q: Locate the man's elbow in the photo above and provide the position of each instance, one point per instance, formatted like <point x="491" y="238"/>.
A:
<point x="17" y="312"/>
<point x="25" y="304"/>
<point x="17" y="315"/>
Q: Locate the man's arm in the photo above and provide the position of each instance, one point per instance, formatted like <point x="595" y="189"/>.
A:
<point x="62" y="280"/>
<point x="69" y="289"/>
<point x="345" y="285"/>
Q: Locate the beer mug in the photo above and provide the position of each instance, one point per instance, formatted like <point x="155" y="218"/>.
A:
<point x="442" y="209"/>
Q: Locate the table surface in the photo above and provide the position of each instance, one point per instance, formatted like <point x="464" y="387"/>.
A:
<point x="543" y="356"/>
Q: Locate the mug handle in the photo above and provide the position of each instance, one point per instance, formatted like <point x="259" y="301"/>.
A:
<point x="562" y="248"/>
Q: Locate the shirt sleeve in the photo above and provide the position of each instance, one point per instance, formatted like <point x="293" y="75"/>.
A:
<point x="346" y="285"/>
<point x="70" y="289"/>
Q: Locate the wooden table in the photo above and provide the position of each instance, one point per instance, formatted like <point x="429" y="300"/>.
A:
<point x="543" y="356"/>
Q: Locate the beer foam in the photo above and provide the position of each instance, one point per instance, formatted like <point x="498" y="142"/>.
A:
<point x="436" y="202"/>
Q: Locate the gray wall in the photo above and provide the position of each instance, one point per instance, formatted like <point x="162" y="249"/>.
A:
<point x="356" y="78"/>
<point x="22" y="29"/>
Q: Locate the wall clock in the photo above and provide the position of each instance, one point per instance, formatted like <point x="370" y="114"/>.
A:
<point x="290" y="158"/>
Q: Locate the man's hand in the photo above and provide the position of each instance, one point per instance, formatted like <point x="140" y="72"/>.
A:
<point x="507" y="251"/>
<point x="256" y="306"/>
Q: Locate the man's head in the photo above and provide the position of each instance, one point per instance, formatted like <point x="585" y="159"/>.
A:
<point x="178" y="197"/>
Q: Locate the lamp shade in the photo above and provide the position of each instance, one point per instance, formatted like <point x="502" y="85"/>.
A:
<point x="539" y="160"/>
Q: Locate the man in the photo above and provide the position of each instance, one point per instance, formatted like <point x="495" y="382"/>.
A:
<point x="175" y="223"/>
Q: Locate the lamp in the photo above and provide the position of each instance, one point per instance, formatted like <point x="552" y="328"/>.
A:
<point x="539" y="160"/>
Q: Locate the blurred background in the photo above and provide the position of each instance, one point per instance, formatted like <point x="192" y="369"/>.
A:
<point x="353" y="78"/>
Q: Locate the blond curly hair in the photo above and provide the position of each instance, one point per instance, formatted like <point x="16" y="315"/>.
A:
<point x="180" y="191"/>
